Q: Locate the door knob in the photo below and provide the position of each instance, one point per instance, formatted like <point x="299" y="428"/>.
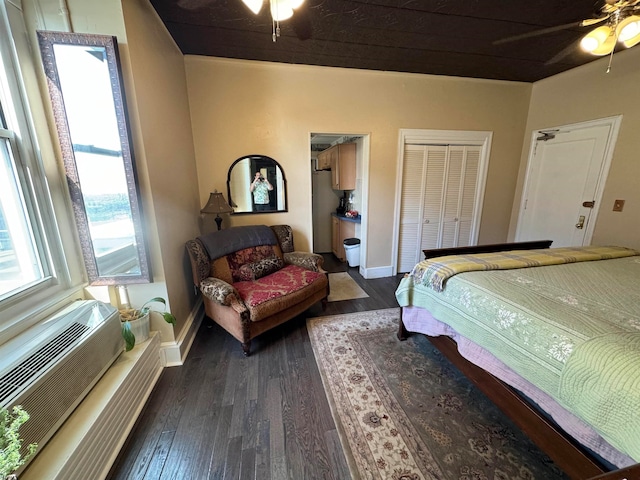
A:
<point x="580" y="224"/>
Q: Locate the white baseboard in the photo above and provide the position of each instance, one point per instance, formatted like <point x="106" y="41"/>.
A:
<point x="174" y="353"/>
<point x="376" y="272"/>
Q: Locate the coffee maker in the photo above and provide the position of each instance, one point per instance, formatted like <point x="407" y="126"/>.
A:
<point x="342" y="206"/>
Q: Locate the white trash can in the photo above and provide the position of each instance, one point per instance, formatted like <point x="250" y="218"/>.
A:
<point x="352" y="251"/>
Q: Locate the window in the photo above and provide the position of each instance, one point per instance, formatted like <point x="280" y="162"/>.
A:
<point x="20" y="263"/>
<point x="33" y="273"/>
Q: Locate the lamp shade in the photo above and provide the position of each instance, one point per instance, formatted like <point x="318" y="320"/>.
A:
<point x="600" y="41"/>
<point x="254" y="5"/>
<point x="629" y="31"/>
<point x="216" y="204"/>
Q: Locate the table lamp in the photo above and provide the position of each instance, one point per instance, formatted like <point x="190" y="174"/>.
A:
<point x="217" y="204"/>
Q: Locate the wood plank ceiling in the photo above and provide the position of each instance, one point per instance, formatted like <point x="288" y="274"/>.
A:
<point x="441" y="37"/>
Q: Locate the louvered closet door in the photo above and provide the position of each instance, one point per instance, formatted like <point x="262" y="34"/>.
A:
<point x="469" y="184"/>
<point x="435" y="158"/>
<point x="411" y="206"/>
<point x="438" y="199"/>
<point x="459" y="196"/>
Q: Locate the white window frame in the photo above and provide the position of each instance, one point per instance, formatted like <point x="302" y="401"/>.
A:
<point x="24" y="309"/>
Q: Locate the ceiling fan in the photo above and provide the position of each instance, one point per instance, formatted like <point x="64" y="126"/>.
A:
<point x="620" y="21"/>
<point x="283" y="10"/>
<point x="279" y="10"/>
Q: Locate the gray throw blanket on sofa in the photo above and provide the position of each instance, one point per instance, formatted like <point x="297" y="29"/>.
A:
<point x="222" y="242"/>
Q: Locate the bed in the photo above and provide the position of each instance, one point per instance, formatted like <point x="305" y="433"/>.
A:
<point x="551" y="335"/>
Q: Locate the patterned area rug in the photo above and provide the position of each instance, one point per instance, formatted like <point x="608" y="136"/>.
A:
<point x="405" y="413"/>
<point x="343" y="287"/>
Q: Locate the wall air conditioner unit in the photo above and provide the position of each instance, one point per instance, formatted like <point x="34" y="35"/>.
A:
<point x="51" y="367"/>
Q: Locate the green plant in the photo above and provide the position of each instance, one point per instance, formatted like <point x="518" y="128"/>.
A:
<point x="10" y="442"/>
<point x="129" y="314"/>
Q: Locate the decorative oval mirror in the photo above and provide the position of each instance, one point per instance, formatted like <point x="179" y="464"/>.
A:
<point x="256" y="184"/>
<point x="85" y="86"/>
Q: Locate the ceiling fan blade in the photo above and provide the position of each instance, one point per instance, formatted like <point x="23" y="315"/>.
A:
<point x="593" y="21"/>
<point x="537" y="33"/>
<point x="562" y="54"/>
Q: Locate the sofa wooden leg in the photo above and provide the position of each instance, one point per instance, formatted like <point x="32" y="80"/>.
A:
<point x="324" y="304"/>
<point x="246" y="348"/>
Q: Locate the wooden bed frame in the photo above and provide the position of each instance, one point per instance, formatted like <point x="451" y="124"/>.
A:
<point x="574" y="460"/>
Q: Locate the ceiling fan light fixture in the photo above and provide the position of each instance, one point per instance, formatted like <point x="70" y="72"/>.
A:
<point x="629" y="31"/>
<point x="295" y="3"/>
<point x="600" y="41"/>
<point x="632" y="41"/>
<point x="254" y="5"/>
<point x="281" y="10"/>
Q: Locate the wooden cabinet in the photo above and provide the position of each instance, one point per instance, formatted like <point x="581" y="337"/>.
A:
<point x="341" y="159"/>
<point x="343" y="166"/>
<point x="341" y="230"/>
<point x="324" y="159"/>
<point x="335" y="237"/>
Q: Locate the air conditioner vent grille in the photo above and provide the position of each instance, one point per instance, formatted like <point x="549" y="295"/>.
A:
<point x="34" y="365"/>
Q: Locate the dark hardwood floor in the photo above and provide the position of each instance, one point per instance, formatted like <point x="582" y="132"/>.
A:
<point x="224" y="416"/>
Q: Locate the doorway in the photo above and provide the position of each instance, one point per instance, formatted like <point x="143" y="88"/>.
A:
<point x="326" y="200"/>
<point x="565" y="178"/>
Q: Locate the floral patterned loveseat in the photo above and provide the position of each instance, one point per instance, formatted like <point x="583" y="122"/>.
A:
<point x="252" y="280"/>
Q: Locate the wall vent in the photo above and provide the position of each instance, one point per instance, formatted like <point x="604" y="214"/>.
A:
<point x="52" y="366"/>
<point x="31" y="368"/>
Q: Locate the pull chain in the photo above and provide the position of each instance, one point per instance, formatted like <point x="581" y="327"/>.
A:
<point x="275" y="24"/>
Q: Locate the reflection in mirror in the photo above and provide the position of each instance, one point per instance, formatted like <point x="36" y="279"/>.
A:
<point x="255" y="184"/>
<point x="83" y="76"/>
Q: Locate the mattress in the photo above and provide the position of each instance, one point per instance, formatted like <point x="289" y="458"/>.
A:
<point x="542" y="321"/>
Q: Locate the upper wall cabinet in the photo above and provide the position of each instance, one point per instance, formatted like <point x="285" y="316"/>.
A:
<point x="324" y="158"/>
<point x="342" y="161"/>
<point x="85" y="85"/>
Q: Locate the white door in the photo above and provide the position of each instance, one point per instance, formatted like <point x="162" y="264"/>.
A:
<point x="563" y="186"/>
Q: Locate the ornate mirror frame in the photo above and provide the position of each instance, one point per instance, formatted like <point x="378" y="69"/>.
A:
<point x="128" y="261"/>
<point x="241" y="174"/>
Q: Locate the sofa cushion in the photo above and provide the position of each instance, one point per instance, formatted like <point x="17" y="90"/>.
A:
<point x="275" y="292"/>
<point x="248" y="255"/>
<point x="255" y="270"/>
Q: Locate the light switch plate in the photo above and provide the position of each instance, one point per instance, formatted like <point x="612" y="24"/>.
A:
<point x="618" y="205"/>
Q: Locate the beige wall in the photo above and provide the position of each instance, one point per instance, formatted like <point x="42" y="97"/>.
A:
<point x="588" y="93"/>
<point x="242" y="107"/>
<point x="167" y="155"/>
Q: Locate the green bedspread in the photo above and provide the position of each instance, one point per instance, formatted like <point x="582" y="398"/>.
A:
<point x="535" y="319"/>
<point x="600" y="383"/>
<point x="436" y="271"/>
